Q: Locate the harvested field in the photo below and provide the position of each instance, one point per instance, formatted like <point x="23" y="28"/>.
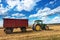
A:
<point x="52" y="34"/>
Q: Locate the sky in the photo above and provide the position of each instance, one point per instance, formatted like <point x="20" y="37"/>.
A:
<point x="46" y="10"/>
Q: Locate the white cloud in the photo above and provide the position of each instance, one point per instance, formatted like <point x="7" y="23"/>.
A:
<point x="9" y="17"/>
<point x="3" y="10"/>
<point x="22" y="5"/>
<point x="19" y="8"/>
<point x="55" y="20"/>
<point x="43" y="13"/>
<point x="12" y="3"/>
<point x="52" y="2"/>
<point x="28" y="4"/>
<point x="17" y="17"/>
<point x="55" y="10"/>
<point x="18" y="14"/>
<point x="34" y="15"/>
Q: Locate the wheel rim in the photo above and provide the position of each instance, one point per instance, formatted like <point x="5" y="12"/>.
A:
<point x="38" y="28"/>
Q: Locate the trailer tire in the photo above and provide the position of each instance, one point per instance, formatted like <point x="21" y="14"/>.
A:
<point x="8" y="30"/>
<point x="23" y="29"/>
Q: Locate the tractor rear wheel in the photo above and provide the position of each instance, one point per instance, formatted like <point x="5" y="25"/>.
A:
<point x="38" y="28"/>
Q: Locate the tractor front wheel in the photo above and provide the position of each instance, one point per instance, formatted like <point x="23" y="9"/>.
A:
<point x="46" y="28"/>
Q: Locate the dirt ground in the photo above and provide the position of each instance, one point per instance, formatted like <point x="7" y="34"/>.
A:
<point x="30" y="34"/>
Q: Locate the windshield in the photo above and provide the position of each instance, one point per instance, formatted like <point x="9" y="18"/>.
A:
<point x="39" y="22"/>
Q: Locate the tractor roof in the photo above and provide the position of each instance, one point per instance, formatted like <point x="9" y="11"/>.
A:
<point x="38" y="20"/>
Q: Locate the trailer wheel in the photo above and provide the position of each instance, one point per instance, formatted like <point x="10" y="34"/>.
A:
<point x="8" y="30"/>
<point x="23" y="29"/>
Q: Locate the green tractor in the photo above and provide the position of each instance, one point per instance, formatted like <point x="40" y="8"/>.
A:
<point x="38" y="25"/>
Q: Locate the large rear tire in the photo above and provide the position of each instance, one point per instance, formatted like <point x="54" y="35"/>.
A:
<point x="38" y="28"/>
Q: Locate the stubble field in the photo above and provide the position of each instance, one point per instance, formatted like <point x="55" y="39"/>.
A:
<point x="52" y="34"/>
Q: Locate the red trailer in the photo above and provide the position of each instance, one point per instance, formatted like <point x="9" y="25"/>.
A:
<point x="10" y="24"/>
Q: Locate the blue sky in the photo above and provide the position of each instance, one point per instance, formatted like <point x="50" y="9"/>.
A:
<point x="46" y="10"/>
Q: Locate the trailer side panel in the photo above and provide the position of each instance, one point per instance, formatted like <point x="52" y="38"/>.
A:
<point x="15" y="23"/>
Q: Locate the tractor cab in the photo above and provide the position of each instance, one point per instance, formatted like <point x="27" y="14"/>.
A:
<point x="38" y="22"/>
